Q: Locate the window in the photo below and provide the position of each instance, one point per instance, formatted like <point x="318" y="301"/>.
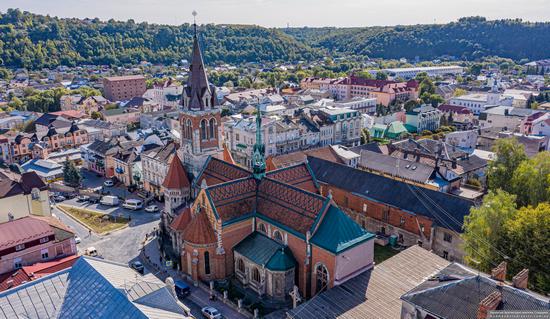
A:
<point x="256" y="275"/>
<point x="44" y="240"/>
<point x="17" y="263"/>
<point x="207" y="263"/>
<point x="240" y="265"/>
<point x="261" y="227"/>
<point x="402" y="221"/>
<point x="445" y="254"/>
<point x="448" y="237"/>
<point x="364" y="207"/>
<point x="277" y="236"/>
<point x="44" y="253"/>
<point x="212" y="128"/>
<point x="386" y="215"/>
<point x="422" y="228"/>
<point x="204" y="131"/>
<point x="19" y="247"/>
<point x="321" y="274"/>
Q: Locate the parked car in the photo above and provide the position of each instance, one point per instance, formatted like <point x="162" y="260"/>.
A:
<point x="110" y="200"/>
<point x="152" y="209"/>
<point x="77" y="239"/>
<point x="211" y="313"/>
<point x="137" y="266"/>
<point x="133" y="204"/>
<point x="91" y="251"/>
<point x="93" y="200"/>
<point x="59" y="198"/>
<point x="108" y="183"/>
<point x="83" y="198"/>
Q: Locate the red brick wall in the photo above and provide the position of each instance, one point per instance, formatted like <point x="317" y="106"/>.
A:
<point x="231" y="236"/>
<point x="376" y="210"/>
<point x="322" y="256"/>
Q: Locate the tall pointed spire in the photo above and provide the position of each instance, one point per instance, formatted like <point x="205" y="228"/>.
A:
<point x="197" y="83"/>
<point x="258" y="155"/>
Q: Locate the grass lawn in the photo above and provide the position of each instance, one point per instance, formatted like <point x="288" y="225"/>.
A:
<point x="98" y="222"/>
<point x="382" y="253"/>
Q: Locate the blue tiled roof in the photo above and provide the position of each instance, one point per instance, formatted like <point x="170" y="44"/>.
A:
<point x="338" y="232"/>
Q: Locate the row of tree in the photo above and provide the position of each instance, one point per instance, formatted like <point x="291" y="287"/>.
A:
<point x="513" y="222"/>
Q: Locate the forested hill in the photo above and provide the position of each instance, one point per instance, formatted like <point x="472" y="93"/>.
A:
<point x="468" y="38"/>
<point x="36" y="41"/>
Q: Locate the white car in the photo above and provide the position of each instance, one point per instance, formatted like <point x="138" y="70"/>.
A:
<point x="77" y="239"/>
<point x="211" y="313"/>
<point x="152" y="209"/>
<point x="108" y="183"/>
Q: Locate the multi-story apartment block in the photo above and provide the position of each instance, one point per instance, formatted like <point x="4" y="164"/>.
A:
<point x="362" y="104"/>
<point x="479" y="102"/>
<point x="386" y="92"/>
<point x="423" y="118"/>
<point x="121" y="88"/>
<point x="154" y="164"/>
<point x="345" y="125"/>
<point x="166" y="95"/>
<point x="86" y="105"/>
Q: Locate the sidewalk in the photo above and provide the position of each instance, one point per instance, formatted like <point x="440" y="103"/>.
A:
<point x="199" y="296"/>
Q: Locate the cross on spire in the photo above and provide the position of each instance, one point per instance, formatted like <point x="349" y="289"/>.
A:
<point x="194" y="13"/>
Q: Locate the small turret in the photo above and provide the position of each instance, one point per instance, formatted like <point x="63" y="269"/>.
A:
<point x="258" y="155"/>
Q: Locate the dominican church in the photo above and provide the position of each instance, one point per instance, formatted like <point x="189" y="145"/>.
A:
<point x="267" y="231"/>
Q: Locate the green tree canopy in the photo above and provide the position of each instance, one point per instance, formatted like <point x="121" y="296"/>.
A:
<point x="510" y="154"/>
<point x="531" y="180"/>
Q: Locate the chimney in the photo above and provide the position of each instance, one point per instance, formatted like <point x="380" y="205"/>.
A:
<point x="499" y="272"/>
<point x="490" y="302"/>
<point x="520" y="280"/>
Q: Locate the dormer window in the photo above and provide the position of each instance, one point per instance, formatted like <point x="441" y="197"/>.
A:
<point x="44" y="240"/>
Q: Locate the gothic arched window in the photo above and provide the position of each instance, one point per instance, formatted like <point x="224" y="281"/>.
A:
<point x="321" y="274"/>
<point x="255" y="275"/>
<point x="277" y="236"/>
<point x="212" y="133"/>
<point x="240" y="265"/>
<point x="204" y="130"/>
<point x="261" y="227"/>
<point x="188" y="129"/>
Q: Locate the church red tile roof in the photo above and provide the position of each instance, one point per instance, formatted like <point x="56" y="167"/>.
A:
<point x="182" y="220"/>
<point x="234" y="199"/>
<point x="297" y="175"/>
<point x="177" y="176"/>
<point x="200" y="231"/>
<point x="217" y="171"/>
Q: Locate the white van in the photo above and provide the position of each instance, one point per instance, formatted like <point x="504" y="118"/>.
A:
<point x="109" y="200"/>
<point x="133" y="204"/>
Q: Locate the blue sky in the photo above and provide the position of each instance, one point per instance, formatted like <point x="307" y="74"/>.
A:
<point x="278" y="13"/>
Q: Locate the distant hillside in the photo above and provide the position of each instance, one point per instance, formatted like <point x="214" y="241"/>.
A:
<point x="468" y="38"/>
<point x="36" y="41"/>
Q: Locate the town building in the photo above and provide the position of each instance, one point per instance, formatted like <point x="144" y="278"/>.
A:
<point x="23" y="195"/>
<point x="423" y="118"/>
<point x="467" y="293"/>
<point x="538" y="67"/>
<point x="121" y="88"/>
<point x="466" y="140"/>
<point x="507" y="117"/>
<point x="429" y="218"/>
<point x="537" y="124"/>
<point x="167" y="94"/>
<point x="361" y="104"/>
<point x="28" y="240"/>
<point x="86" y="105"/>
<point x="200" y="119"/>
<point x="121" y="116"/>
<point x="480" y="102"/>
<point x="345" y="125"/>
<point x="154" y="163"/>
<point x="459" y="116"/>
<point x="431" y="71"/>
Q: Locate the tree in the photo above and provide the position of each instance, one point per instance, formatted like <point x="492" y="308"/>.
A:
<point x="476" y="69"/>
<point x="527" y="238"/>
<point x="71" y="175"/>
<point x="459" y="92"/>
<point x="484" y="229"/>
<point x="410" y="105"/>
<point x="381" y="76"/>
<point x="510" y="153"/>
<point x="531" y="180"/>
<point x="96" y="115"/>
<point x="5" y="74"/>
<point x="364" y="74"/>
<point x="365" y="136"/>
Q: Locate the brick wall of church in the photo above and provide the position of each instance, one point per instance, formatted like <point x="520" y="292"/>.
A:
<point x="231" y="236"/>
<point x="321" y="256"/>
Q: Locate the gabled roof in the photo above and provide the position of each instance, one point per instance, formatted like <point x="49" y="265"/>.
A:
<point x="217" y="171"/>
<point x="298" y="175"/>
<point x="176" y="178"/>
<point x="182" y="220"/>
<point x="444" y="209"/>
<point x="267" y="252"/>
<point x="407" y="169"/>
<point x="376" y="292"/>
<point x="455" y="293"/>
<point x="338" y="232"/>
<point x="23" y="230"/>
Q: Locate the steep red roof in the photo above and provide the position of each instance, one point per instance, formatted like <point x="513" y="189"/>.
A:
<point x="200" y="231"/>
<point x="234" y="199"/>
<point x="297" y="175"/>
<point x="218" y="171"/>
<point x="177" y="176"/>
<point x="182" y="220"/>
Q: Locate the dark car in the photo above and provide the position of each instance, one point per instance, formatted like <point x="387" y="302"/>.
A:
<point x="137" y="266"/>
<point x="93" y="200"/>
<point x="83" y="198"/>
<point x="182" y="289"/>
<point x="59" y="198"/>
